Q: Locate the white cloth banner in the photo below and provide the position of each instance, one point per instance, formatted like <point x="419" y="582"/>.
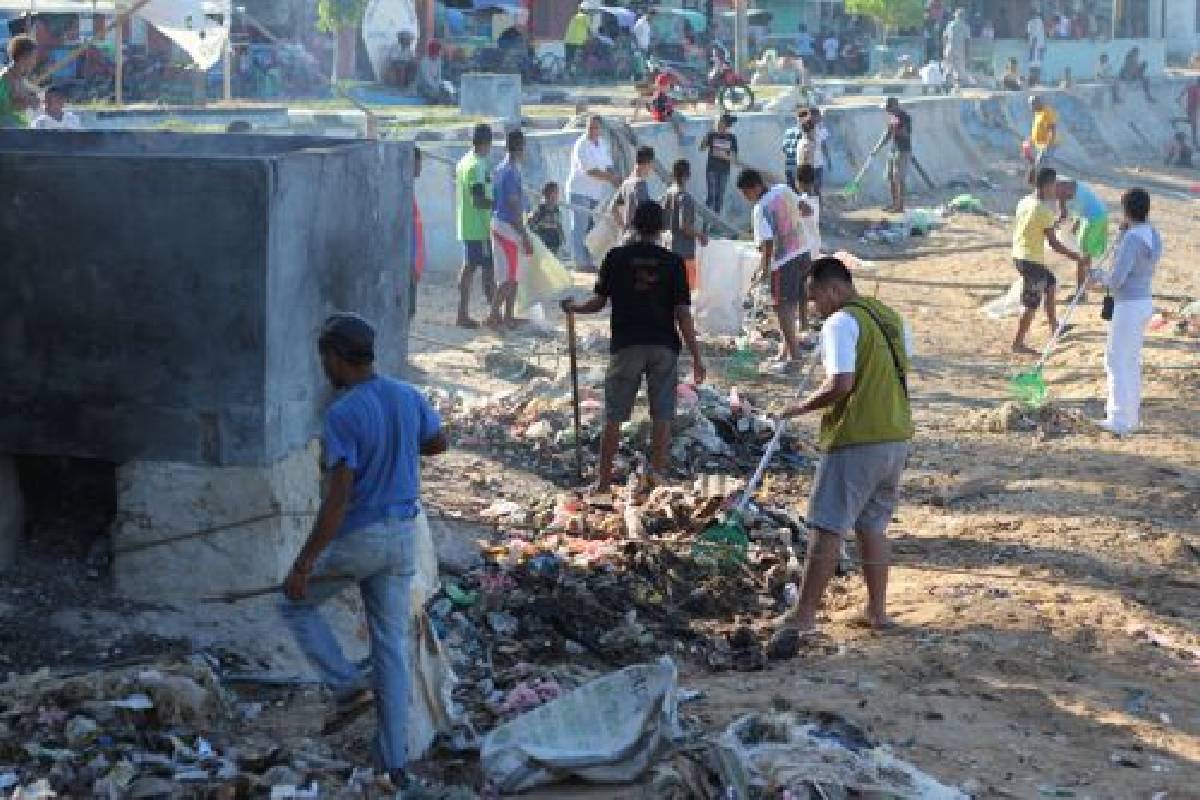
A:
<point x="199" y="27"/>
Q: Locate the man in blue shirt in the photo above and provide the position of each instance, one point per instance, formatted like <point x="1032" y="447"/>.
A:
<point x="374" y="436"/>
<point x="510" y="239"/>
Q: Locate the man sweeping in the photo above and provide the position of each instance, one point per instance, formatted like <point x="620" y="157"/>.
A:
<point x="1089" y="220"/>
<point x="899" y="133"/>
<point x="864" y="439"/>
<point x="375" y="433"/>
<point x="1033" y="229"/>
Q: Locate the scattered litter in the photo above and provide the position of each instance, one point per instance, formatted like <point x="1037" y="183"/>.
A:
<point x="828" y="757"/>
<point x="611" y="730"/>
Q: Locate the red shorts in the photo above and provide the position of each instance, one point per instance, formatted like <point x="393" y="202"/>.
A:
<point x="506" y="251"/>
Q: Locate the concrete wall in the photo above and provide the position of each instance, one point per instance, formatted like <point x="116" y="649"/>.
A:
<point x="1081" y="56"/>
<point x="955" y="137"/>
<point x="1181" y="30"/>
<point x="162" y="291"/>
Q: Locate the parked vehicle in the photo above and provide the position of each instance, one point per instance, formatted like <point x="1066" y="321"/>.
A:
<point x="723" y="85"/>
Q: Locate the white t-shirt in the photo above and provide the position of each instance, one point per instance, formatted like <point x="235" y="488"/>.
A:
<point x="45" y="122"/>
<point x="776" y="219"/>
<point x="812" y="225"/>
<point x="932" y="74"/>
<point x="839" y="343"/>
<point x="1035" y="30"/>
<point x="588" y="155"/>
<point x="832" y="48"/>
<point x="641" y="33"/>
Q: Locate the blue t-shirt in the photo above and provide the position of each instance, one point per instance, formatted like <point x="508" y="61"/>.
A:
<point x="1086" y="205"/>
<point x="377" y="428"/>
<point x="506" y="183"/>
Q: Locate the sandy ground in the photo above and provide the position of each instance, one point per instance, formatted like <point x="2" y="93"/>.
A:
<point x="1061" y="652"/>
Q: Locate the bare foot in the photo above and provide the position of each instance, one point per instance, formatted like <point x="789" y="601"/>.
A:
<point x="495" y="323"/>
<point x="1024" y="350"/>
<point x="468" y="323"/>
<point x="792" y="619"/>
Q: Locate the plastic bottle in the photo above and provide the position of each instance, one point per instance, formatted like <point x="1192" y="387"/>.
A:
<point x="791" y="595"/>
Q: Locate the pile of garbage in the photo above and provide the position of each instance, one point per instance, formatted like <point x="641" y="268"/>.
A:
<point x="534" y="423"/>
<point x="1012" y="417"/>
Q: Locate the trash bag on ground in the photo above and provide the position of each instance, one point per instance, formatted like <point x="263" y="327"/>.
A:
<point x="726" y="270"/>
<point x="611" y="730"/>
<point x="825" y="758"/>
<point x="1007" y="304"/>
<point x="431" y="706"/>
<point x="545" y="279"/>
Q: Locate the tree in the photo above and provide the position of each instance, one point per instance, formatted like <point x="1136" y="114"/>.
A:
<point x="889" y="14"/>
<point x="342" y="18"/>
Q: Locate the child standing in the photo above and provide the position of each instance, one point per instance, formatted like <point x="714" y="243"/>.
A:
<point x="679" y="209"/>
<point x="722" y="147"/>
<point x="810" y="209"/>
<point x="545" y="220"/>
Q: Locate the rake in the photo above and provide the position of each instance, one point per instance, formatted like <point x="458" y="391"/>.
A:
<point x="853" y="189"/>
<point x="1029" y="387"/>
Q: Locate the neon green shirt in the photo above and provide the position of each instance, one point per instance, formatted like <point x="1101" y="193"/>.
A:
<point x="474" y="224"/>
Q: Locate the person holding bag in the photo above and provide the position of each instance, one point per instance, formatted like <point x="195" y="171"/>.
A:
<point x="1128" y="307"/>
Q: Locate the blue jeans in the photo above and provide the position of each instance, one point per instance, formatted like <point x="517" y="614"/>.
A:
<point x="381" y="560"/>
<point x="716" y="181"/>
<point x="581" y="223"/>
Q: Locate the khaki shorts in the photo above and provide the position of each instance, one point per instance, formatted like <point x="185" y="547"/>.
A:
<point x="626" y="367"/>
<point x="857" y="488"/>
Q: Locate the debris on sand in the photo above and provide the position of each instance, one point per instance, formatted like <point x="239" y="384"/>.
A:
<point x="1012" y="417"/>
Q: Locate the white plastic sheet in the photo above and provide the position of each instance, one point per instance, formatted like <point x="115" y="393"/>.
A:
<point x="608" y="731"/>
<point x="726" y="270"/>
<point x="543" y="280"/>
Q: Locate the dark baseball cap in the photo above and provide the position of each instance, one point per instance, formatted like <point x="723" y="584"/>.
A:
<point x="350" y="336"/>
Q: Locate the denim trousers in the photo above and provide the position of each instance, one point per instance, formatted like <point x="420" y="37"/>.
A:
<point x="581" y="223"/>
<point x="380" y="559"/>
<point x="716" y="182"/>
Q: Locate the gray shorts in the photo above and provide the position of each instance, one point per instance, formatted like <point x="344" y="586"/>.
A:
<point x="624" y="378"/>
<point x="857" y="487"/>
<point x="1036" y="281"/>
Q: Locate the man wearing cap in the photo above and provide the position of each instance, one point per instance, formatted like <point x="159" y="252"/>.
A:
<point x="374" y="435"/>
<point x="899" y="133"/>
<point x="473" y="196"/>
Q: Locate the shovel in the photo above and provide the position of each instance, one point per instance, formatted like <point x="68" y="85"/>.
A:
<point x="1029" y="387"/>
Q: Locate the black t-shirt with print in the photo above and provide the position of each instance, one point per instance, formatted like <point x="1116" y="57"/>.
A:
<point x="645" y="283"/>
<point x="720" y="143"/>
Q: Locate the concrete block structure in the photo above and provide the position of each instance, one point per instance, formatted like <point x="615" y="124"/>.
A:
<point x="163" y="293"/>
<point x="491" y="95"/>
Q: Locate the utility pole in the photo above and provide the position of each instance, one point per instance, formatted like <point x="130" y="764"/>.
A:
<point x="740" y="36"/>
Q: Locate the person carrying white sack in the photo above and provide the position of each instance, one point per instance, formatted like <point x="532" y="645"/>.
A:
<point x="1129" y="284"/>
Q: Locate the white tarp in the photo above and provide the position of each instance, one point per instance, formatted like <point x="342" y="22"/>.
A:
<point x="726" y="269"/>
<point x="199" y="27"/>
<point x="610" y="730"/>
<point x="382" y="23"/>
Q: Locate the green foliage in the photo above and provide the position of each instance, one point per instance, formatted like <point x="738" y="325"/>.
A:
<point x="333" y="15"/>
<point x="891" y="14"/>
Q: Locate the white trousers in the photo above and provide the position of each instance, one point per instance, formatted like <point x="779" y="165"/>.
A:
<point x="1123" y="362"/>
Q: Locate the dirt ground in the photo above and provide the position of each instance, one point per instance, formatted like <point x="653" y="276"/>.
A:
<point x="1046" y="581"/>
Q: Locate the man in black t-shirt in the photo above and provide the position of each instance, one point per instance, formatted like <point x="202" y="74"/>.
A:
<point x="722" y="147"/>
<point x="899" y="133"/>
<point x="651" y="310"/>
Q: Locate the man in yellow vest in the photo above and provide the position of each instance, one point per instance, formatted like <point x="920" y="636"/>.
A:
<point x="865" y="434"/>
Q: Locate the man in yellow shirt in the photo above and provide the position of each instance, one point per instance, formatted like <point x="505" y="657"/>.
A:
<point x="1044" y="135"/>
<point x="576" y="37"/>
<point x="1034" y="228"/>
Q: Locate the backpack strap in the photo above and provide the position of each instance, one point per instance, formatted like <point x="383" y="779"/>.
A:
<point x="900" y="373"/>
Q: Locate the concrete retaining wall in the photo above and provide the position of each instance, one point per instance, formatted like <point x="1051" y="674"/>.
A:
<point x="954" y="137"/>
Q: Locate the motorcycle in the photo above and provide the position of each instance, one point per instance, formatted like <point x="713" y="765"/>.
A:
<point x="730" y="90"/>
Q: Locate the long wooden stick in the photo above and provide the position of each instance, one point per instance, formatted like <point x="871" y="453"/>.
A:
<point x="234" y="595"/>
<point x="575" y="396"/>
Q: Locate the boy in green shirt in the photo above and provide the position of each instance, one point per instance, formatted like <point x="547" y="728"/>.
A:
<point x="473" y="199"/>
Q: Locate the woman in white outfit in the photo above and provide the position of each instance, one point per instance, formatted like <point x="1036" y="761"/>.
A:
<point x="1129" y="282"/>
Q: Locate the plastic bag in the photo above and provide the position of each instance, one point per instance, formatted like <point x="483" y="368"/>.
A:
<point x="604" y="236"/>
<point x="1007" y="304"/>
<point x="610" y="730"/>
<point x="726" y="271"/>
<point x="545" y="279"/>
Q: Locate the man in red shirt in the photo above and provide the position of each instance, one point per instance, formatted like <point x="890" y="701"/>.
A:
<point x="1191" y="103"/>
